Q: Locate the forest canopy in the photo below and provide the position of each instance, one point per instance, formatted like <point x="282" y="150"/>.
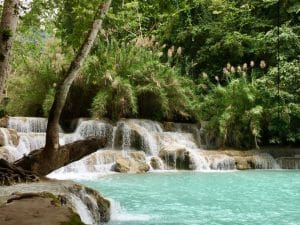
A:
<point x="233" y="66"/>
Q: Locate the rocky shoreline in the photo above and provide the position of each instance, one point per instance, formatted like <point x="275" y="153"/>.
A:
<point x="52" y="202"/>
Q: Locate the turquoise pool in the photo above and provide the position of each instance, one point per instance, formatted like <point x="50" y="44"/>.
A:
<point x="239" y="197"/>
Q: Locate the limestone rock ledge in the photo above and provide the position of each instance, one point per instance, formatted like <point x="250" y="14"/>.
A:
<point x="64" y="200"/>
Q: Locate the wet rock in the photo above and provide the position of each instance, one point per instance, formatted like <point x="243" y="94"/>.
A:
<point x="14" y="137"/>
<point x="133" y="135"/>
<point x="11" y="135"/>
<point x="138" y="155"/>
<point x="58" y="195"/>
<point x="178" y="158"/>
<point x="99" y="207"/>
<point x="4" y="154"/>
<point x="134" y="163"/>
<point x="122" y="165"/>
<point x="156" y="163"/>
<point x="128" y="137"/>
<point x="242" y="163"/>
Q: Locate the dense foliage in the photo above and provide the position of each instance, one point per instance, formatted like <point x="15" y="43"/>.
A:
<point x="186" y="60"/>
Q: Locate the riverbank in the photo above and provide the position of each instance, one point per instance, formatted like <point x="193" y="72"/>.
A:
<point x="38" y="209"/>
<point x="56" y="202"/>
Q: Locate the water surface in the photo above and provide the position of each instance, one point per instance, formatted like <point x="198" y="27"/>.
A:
<point x="240" y="197"/>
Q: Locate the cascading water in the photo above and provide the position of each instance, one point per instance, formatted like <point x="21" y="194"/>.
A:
<point x="28" y="124"/>
<point x="82" y="210"/>
<point x="174" y="146"/>
<point x="264" y="161"/>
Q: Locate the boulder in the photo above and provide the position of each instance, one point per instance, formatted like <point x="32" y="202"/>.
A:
<point x="156" y="163"/>
<point x="135" y="162"/>
<point x="138" y="155"/>
<point x="122" y="165"/>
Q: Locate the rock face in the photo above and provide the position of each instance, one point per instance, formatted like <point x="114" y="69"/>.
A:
<point x="62" y="198"/>
<point x="177" y="158"/>
<point x="156" y="163"/>
<point x="134" y="163"/>
<point x="9" y="135"/>
<point x="128" y="137"/>
<point x="37" y="208"/>
<point x="96" y="204"/>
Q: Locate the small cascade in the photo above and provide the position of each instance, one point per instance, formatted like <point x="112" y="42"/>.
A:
<point x="185" y="140"/>
<point x="28" y="124"/>
<point x="91" y="166"/>
<point x="199" y="161"/>
<point x="6" y="137"/>
<point x="19" y="144"/>
<point x="148" y="131"/>
<point x="131" y="135"/>
<point x="289" y="162"/>
<point x="90" y="128"/>
<point x="149" y="125"/>
<point x="221" y="162"/>
<point x="31" y="141"/>
<point x="82" y="210"/>
<point x="264" y="161"/>
<point x="126" y="137"/>
<point x="113" y="141"/>
<point x="69" y="138"/>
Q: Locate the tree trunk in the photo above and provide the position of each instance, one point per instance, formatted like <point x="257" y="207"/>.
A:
<point x="52" y="134"/>
<point x="8" y="27"/>
<point x="36" y="163"/>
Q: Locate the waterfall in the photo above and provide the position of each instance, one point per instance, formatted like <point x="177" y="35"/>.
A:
<point x="82" y="210"/>
<point x="167" y="146"/>
<point x="264" y="161"/>
<point x="90" y="167"/>
<point x="92" y="208"/>
<point x="28" y="124"/>
<point x="289" y="162"/>
<point x="221" y="162"/>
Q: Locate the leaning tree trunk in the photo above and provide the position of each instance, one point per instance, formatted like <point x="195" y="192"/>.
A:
<point x="52" y="134"/>
<point x="9" y="20"/>
<point x="36" y="163"/>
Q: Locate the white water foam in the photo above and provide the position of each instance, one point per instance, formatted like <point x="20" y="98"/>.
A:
<point x="120" y="214"/>
<point x="82" y="210"/>
<point x="28" y="124"/>
<point x="124" y="136"/>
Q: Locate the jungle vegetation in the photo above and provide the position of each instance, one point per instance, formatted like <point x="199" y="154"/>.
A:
<point x="231" y="65"/>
